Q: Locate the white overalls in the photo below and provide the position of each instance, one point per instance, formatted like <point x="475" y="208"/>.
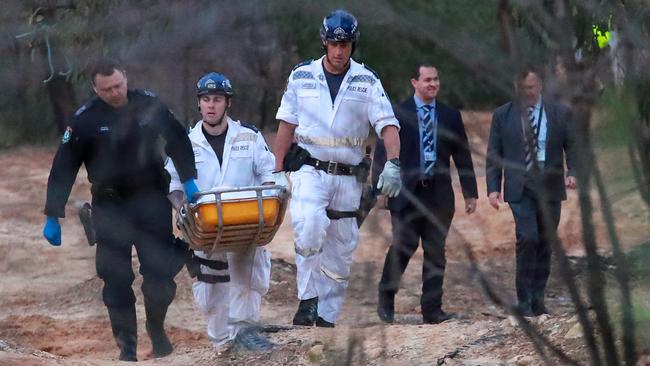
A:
<point x="247" y="161"/>
<point x="330" y="132"/>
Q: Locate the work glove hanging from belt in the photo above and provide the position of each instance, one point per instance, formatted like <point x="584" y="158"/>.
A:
<point x="52" y="231"/>
<point x="190" y="188"/>
<point x="390" y="182"/>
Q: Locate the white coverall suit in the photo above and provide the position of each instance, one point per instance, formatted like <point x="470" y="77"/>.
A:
<point x="330" y="132"/>
<point x="247" y="161"/>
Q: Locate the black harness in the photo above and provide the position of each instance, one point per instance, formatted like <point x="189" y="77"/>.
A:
<point x="296" y="157"/>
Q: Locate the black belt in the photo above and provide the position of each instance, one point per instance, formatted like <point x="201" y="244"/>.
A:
<point x="332" y="167"/>
<point x="337" y="215"/>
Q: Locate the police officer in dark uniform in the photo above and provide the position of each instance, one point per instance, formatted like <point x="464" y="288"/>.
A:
<point x="119" y="136"/>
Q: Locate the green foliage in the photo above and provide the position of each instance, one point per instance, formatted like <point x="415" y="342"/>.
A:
<point x="18" y="125"/>
<point x="639" y="258"/>
<point x="166" y="45"/>
<point x="642" y="318"/>
<point x="619" y="108"/>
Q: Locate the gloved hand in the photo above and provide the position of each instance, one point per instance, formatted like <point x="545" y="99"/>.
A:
<point x="390" y="181"/>
<point x="52" y="230"/>
<point x="190" y="190"/>
<point x="280" y="179"/>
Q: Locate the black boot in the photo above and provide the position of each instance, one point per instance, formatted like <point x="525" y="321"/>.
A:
<point x="125" y="331"/>
<point x="307" y="312"/>
<point x="386" y="307"/>
<point x="322" y="323"/>
<point x="250" y="339"/>
<point x="156" y="329"/>
<point x="437" y="316"/>
<point x="524" y="309"/>
<point x="537" y="303"/>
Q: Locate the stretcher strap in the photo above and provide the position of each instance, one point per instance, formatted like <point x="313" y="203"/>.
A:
<point x="214" y="264"/>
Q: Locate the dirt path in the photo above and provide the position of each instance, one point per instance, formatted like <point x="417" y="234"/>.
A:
<point x="51" y="311"/>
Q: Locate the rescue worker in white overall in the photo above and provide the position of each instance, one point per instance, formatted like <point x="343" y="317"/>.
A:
<point x="327" y="108"/>
<point x="228" y="153"/>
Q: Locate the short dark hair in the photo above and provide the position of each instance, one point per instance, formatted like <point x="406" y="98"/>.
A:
<point x="531" y="69"/>
<point x="415" y="70"/>
<point x="104" y="67"/>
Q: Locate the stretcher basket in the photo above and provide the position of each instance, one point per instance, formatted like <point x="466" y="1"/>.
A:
<point x="233" y="219"/>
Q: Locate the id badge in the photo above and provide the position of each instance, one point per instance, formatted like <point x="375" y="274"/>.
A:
<point x="429" y="156"/>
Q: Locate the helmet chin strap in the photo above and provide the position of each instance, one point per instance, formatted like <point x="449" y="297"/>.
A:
<point x="220" y="121"/>
<point x="223" y="116"/>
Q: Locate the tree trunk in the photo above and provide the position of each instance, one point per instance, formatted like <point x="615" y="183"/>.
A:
<point x="63" y="100"/>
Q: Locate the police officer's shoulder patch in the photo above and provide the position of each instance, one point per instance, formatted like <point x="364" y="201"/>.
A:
<point x="371" y="70"/>
<point x="303" y="63"/>
<point x="250" y="126"/>
<point x="67" y="135"/>
<point x="148" y="93"/>
<point x="89" y="104"/>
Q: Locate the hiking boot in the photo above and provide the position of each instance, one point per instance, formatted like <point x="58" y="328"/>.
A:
<point x="320" y="322"/>
<point x="307" y="312"/>
<point x="249" y="339"/>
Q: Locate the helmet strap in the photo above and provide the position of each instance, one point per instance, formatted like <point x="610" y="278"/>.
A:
<point x="220" y="121"/>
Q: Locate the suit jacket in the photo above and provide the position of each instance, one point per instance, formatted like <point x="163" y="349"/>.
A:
<point x="451" y="142"/>
<point x="505" y="160"/>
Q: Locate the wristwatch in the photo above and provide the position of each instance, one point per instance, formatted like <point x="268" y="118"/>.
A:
<point x="394" y="161"/>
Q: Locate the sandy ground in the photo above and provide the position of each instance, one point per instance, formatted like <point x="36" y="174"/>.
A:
<point x="51" y="311"/>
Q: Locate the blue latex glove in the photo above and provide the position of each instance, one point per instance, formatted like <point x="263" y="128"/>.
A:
<point x="190" y="190"/>
<point x="52" y="231"/>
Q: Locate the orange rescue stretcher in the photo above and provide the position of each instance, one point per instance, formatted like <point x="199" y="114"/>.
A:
<point x="233" y="219"/>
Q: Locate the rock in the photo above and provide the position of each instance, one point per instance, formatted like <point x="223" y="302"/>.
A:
<point x="543" y="318"/>
<point x="572" y="319"/>
<point x="315" y="354"/>
<point x="525" y="361"/>
<point x="514" y="360"/>
<point x="513" y="321"/>
<point x="482" y="332"/>
<point x="374" y="353"/>
<point x="575" y="332"/>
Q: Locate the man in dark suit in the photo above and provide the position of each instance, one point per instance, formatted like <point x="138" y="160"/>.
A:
<point x="529" y="141"/>
<point x="431" y="133"/>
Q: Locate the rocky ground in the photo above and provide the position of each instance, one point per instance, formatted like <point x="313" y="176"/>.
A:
<point x="51" y="311"/>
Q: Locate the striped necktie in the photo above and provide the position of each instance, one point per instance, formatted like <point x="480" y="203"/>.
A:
<point x="428" y="137"/>
<point x="530" y="147"/>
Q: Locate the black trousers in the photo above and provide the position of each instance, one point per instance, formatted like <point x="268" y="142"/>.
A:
<point x="533" y="251"/>
<point x="409" y="226"/>
<point x="142" y="219"/>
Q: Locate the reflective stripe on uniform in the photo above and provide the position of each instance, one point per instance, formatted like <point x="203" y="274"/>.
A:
<point x="336" y="277"/>
<point x="330" y="142"/>
<point x="307" y="252"/>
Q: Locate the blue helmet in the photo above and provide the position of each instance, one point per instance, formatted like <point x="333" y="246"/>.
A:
<point x="339" y="26"/>
<point x="214" y="83"/>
